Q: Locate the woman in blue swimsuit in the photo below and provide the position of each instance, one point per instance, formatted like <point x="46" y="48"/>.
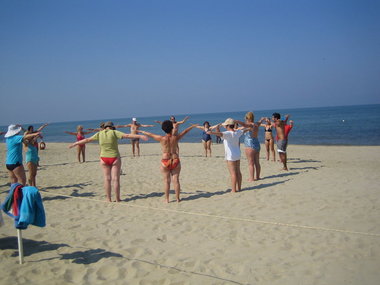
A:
<point x="206" y="138"/>
<point x="252" y="145"/>
<point x="31" y="158"/>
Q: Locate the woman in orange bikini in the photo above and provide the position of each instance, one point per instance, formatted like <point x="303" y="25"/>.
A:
<point x="81" y="149"/>
<point x="170" y="163"/>
<point x="109" y="155"/>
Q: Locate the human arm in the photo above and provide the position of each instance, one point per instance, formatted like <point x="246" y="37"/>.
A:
<point x="183" y="121"/>
<point x="185" y="131"/>
<point x="219" y="134"/>
<point x="146" y="126"/>
<point x="84" y="141"/>
<point x="135" y="136"/>
<point x="199" y="127"/>
<point x="31" y="136"/>
<point x="153" y="136"/>
<point x="215" y="126"/>
<point x="40" y="128"/>
<point x="216" y="133"/>
<point x="286" y="119"/>
<point x="245" y="125"/>
<point x="267" y="122"/>
<point x="122" y="126"/>
<point x="71" y="133"/>
<point x="158" y="122"/>
<point x="259" y="122"/>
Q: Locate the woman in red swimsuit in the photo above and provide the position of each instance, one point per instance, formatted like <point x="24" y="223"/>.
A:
<point x="110" y="156"/>
<point x="81" y="150"/>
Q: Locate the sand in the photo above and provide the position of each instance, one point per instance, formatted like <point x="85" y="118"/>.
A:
<point x="318" y="223"/>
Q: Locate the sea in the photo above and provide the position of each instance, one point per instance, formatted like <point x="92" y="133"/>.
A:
<point x="339" y="125"/>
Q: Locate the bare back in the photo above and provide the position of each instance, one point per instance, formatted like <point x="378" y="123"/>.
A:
<point x="169" y="146"/>
<point x="254" y="129"/>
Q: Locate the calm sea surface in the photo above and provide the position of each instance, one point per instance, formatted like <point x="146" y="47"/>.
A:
<point x="348" y="125"/>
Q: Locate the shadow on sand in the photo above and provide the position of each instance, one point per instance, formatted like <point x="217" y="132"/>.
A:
<point x="74" y="193"/>
<point x="199" y="194"/>
<point x="89" y="256"/>
<point x="144" y="196"/>
<point x="79" y="185"/>
<point x="31" y="247"/>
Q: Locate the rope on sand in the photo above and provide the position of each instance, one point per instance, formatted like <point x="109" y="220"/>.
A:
<point x="225" y="217"/>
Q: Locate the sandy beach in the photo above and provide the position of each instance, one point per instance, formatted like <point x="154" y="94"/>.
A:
<point x="318" y="223"/>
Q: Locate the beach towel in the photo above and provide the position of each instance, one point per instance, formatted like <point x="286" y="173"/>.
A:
<point x="24" y="205"/>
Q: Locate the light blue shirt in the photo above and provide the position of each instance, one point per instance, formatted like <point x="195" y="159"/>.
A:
<point x="31" y="154"/>
<point x="14" y="149"/>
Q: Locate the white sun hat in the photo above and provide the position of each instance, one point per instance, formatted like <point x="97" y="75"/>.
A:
<point x="13" y="130"/>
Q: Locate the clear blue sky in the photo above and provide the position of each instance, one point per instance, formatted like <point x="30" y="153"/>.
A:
<point x="79" y="60"/>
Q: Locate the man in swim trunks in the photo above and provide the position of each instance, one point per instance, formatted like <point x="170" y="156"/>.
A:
<point x="134" y="128"/>
<point x="170" y="163"/>
<point x="282" y="140"/>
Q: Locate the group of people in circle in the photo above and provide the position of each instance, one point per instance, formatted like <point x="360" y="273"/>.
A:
<point x="107" y="136"/>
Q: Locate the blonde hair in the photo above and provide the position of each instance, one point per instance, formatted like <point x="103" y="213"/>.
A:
<point x="249" y="116"/>
<point x="79" y="127"/>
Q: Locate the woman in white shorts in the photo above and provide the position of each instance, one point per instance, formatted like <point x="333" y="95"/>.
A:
<point x="232" y="152"/>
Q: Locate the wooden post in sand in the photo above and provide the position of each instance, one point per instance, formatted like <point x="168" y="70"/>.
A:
<point x="20" y="247"/>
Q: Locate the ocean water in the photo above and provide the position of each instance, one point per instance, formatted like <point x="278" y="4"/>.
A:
<point x="345" y="125"/>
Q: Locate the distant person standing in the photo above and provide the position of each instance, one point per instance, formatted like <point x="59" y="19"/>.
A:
<point x="134" y="129"/>
<point x="81" y="149"/>
<point x="175" y="123"/>
<point x="282" y="140"/>
<point x="218" y="138"/>
<point x="206" y="138"/>
<point x="269" y="139"/>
